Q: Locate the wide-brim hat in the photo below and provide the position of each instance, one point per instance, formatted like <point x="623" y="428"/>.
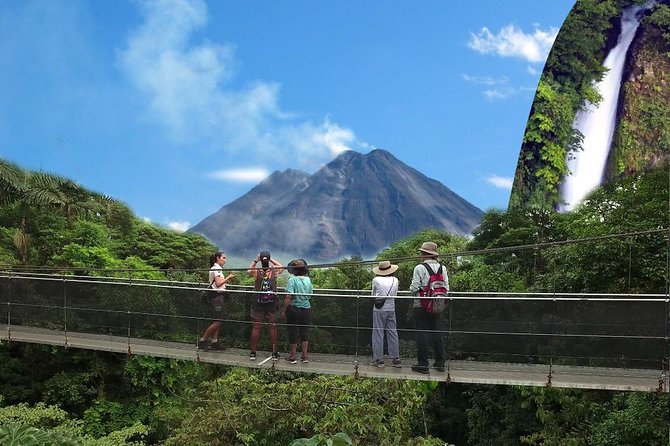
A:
<point x="385" y="268"/>
<point x="429" y="248"/>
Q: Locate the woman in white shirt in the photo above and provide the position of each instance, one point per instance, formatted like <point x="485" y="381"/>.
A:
<point x="217" y="281"/>
<point x="385" y="289"/>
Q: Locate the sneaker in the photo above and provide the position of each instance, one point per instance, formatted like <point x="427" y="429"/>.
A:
<point x="396" y="363"/>
<point x="420" y="369"/>
<point x="252" y="356"/>
<point x="275" y="356"/>
<point x="217" y="346"/>
<point x="203" y="345"/>
<point x="378" y="363"/>
<point x="304" y="359"/>
<point x="291" y="360"/>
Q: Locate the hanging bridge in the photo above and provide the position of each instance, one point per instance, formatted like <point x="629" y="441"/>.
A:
<point x="587" y="341"/>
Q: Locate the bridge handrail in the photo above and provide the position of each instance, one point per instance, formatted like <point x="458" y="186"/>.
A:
<point x="350" y="293"/>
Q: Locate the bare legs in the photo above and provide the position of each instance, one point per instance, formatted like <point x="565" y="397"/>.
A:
<point x="294" y="349"/>
<point x="256" y="334"/>
<point x="213" y="330"/>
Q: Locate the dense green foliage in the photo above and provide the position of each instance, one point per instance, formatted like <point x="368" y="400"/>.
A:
<point x="43" y="425"/>
<point x="661" y="19"/>
<point x="574" y="63"/>
<point x="60" y="396"/>
<point x="50" y="221"/>
<point x="250" y="408"/>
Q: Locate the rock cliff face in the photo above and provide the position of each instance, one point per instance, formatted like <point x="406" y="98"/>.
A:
<point x="642" y="128"/>
<point x="356" y="205"/>
<point x="642" y="139"/>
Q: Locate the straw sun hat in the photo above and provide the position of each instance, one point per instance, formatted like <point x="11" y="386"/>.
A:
<point x="385" y="268"/>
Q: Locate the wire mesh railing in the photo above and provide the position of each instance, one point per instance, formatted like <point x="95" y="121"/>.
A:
<point x="595" y="330"/>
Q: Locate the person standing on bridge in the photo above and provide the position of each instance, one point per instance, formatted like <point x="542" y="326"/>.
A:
<point x="385" y="289"/>
<point x="217" y="282"/>
<point x="264" y="303"/>
<point x="297" y="309"/>
<point x="427" y="325"/>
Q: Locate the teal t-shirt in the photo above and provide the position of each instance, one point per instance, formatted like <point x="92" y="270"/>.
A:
<point x="300" y="289"/>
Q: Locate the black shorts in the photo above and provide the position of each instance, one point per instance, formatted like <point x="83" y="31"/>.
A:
<point x="217" y="306"/>
<point x="298" y="320"/>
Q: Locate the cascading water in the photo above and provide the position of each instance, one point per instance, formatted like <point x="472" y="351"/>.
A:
<point x="597" y="124"/>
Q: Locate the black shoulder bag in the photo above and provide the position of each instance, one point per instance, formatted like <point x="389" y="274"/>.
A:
<point x="380" y="302"/>
<point x="207" y="294"/>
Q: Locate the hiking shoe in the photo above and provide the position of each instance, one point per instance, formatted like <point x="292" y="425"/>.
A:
<point x="378" y="363"/>
<point x="217" y="346"/>
<point x="275" y="356"/>
<point x="291" y="360"/>
<point x="203" y="345"/>
<point x="420" y="369"/>
<point x="396" y="363"/>
<point x="252" y="356"/>
<point x="304" y="359"/>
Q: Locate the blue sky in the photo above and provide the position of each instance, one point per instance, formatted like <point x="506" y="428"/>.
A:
<point x="178" y="107"/>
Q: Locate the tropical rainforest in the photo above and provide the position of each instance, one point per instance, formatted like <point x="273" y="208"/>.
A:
<point x="59" y="396"/>
<point x="616" y="241"/>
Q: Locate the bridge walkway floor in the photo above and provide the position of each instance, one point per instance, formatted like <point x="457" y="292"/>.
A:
<point x="472" y="372"/>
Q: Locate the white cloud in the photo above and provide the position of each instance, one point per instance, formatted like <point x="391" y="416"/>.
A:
<point x="187" y="87"/>
<point x="499" y="94"/>
<point x="179" y="226"/>
<point x="327" y="137"/>
<point x="532" y="70"/>
<point x="250" y="175"/>
<point x="513" y="42"/>
<point x="500" y="182"/>
<point x="485" y="80"/>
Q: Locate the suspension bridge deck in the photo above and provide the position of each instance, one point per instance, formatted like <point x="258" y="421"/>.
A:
<point x="471" y="372"/>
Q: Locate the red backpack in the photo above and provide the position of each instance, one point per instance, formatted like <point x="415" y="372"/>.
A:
<point x="434" y="296"/>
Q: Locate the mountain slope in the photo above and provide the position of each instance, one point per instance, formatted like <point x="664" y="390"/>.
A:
<point x="357" y="204"/>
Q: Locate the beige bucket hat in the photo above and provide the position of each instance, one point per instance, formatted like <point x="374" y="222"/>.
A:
<point x="429" y="248"/>
<point x="385" y="268"/>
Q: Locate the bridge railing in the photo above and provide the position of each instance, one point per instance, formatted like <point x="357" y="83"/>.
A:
<point x="621" y="331"/>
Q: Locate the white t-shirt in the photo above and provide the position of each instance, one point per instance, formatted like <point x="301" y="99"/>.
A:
<point x="216" y="271"/>
<point x="386" y="287"/>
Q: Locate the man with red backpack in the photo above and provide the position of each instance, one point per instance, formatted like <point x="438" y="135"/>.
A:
<point x="430" y="284"/>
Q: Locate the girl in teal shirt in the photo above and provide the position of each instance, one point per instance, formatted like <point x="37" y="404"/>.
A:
<point x="297" y="309"/>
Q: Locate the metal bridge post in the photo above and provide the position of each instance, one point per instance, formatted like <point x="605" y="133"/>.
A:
<point x="67" y="340"/>
<point x="9" y="309"/>
<point x="358" y="317"/>
<point x="665" y="364"/>
<point x="551" y="339"/>
<point x="449" y="338"/>
<point x="9" y="321"/>
<point x="129" y="351"/>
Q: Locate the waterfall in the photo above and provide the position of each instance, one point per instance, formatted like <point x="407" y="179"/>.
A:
<point x="597" y="123"/>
